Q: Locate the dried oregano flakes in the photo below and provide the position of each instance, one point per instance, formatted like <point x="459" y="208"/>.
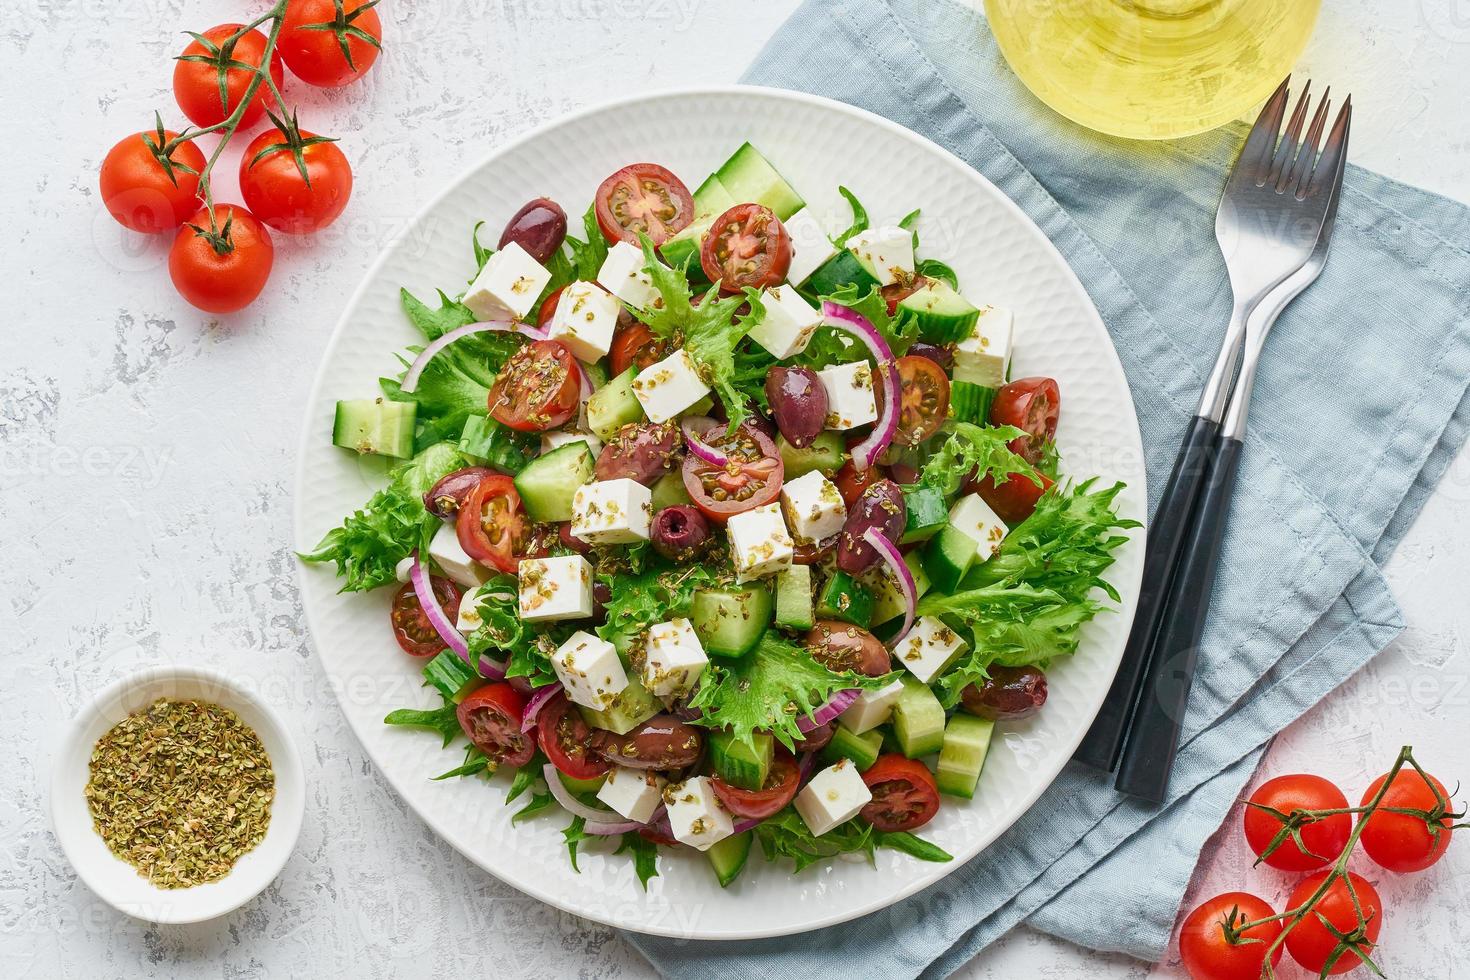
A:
<point x="181" y="791"/>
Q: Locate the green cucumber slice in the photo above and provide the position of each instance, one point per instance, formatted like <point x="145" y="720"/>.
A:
<point x="749" y="176"/>
<point x="633" y="706"/>
<point x="794" y="598"/>
<point x="728" y="856"/>
<point x="825" y="455"/>
<point x="943" y="315"/>
<point x="947" y="557"/>
<point x="862" y="749"/>
<point x="840" y="270"/>
<point x="730" y="621"/>
<point x="582" y="787"/>
<point x="451" y="676"/>
<point x="548" y="483"/>
<point x="843" y="598"/>
<point x="613" y="406"/>
<point x="887" y="600"/>
<point x="669" y="491"/>
<point x="966" y="744"/>
<point x="970" y="402"/>
<point x="926" y="514"/>
<point x="740" y="764"/>
<point x="375" y="426"/>
<point x="918" y="719"/>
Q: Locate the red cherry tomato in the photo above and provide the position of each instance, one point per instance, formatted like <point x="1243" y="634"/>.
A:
<point x="635" y="345"/>
<point x="537" y="389"/>
<point x="752" y="478"/>
<point x="139" y="193"/>
<point x="897" y="292"/>
<point x="1032" y="405"/>
<point x="316" y="56"/>
<point x="548" y="308"/>
<point x="276" y="192"/>
<point x="779" y="789"/>
<point x="1400" y="841"/>
<point x="411" y="628"/>
<point x="221" y="276"/>
<point x="1208" y="953"/>
<point x="852" y="483"/>
<point x="905" y="796"/>
<point x="643" y="198"/>
<point x="1014" y="500"/>
<point x="490" y="717"/>
<point x="923" y="399"/>
<point x="746" y="246"/>
<point x="196" y="83"/>
<point x="1311" y="944"/>
<point x="1325" y="838"/>
<point x="492" y="525"/>
<point x="564" y="738"/>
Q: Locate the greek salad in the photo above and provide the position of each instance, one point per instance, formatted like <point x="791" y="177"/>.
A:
<point x="713" y="527"/>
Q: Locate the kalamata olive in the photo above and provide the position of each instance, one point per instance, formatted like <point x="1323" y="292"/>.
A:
<point x="641" y="451"/>
<point x="1009" y="692"/>
<point x="881" y="506"/>
<point x="756" y="421"/>
<point x="661" y="742"/>
<point x="539" y="227"/>
<point x="817" y="738"/>
<point x="814" y="552"/>
<point x="678" y="532"/>
<point x="570" y="540"/>
<point x="445" y="497"/>
<point x="842" y="646"/>
<point x="798" y="403"/>
<point x="903" y="473"/>
<point x="942" y="356"/>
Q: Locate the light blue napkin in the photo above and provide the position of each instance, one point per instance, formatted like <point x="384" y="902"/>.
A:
<point x="1360" y="406"/>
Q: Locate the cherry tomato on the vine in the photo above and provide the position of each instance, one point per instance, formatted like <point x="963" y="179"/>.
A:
<point x="1288" y="794"/>
<point x="1401" y="841"/>
<point x="279" y="194"/>
<point x="1206" y="948"/>
<point x="1312" y="944"/>
<point x="140" y="193"/>
<point x="196" y="77"/>
<point x="326" y="48"/>
<point x="221" y="269"/>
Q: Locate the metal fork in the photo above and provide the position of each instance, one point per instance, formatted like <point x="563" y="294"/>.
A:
<point x="1272" y="224"/>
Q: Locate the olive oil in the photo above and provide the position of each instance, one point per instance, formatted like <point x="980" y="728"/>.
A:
<point x="1152" y="69"/>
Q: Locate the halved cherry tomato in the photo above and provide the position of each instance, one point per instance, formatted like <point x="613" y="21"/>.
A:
<point x="851" y="483"/>
<point x="923" y="401"/>
<point x="635" y="345"/>
<point x="751" y="479"/>
<point x="777" y="791"/>
<point x="537" y="389"/>
<point x="1014" y="500"/>
<point x="548" y="308"/>
<point x="746" y="246"/>
<point x="905" y="796"/>
<point x="1032" y="405"/>
<point x="1311" y="942"/>
<point x="490" y="717"/>
<point x="492" y="526"/>
<point x="411" y="627"/>
<point x="564" y="737"/>
<point x="643" y="198"/>
<point x="897" y="292"/>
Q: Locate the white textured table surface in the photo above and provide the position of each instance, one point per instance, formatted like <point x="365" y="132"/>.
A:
<point x="146" y="454"/>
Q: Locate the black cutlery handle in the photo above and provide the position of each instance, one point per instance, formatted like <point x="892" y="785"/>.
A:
<point x="1103" y="743"/>
<point x="1153" y="739"/>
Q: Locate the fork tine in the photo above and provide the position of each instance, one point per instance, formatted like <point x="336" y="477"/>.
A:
<point x="1326" y="172"/>
<point x="1306" y="157"/>
<point x="1255" y="155"/>
<point x="1286" y="151"/>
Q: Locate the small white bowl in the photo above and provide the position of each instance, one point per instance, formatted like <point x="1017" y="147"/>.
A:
<point x="117" y="882"/>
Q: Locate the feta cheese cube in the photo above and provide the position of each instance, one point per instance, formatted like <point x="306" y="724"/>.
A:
<point x="972" y="517"/>
<point x="813" y="508"/>
<point x="507" y="287"/>
<point x="589" y="670"/>
<point x="555" y="588"/>
<point x="833" y="797"/>
<point x="612" y="512"/>
<point x="555" y="440"/>
<point x="673" y="659"/>
<point x="929" y="648"/>
<point x="669" y="387"/>
<point x="872" y="708"/>
<point x="460" y="567"/>
<point x="851" y="401"/>
<point x="759" y="542"/>
<point x="887" y="252"/>
<point x="984" y="357"/>
<point x="623" y="275"/>
<point x="634" y="793"/>
<point x="695" y="813"/>
<point x="585" y="317"/>
<point x="788" y="324"/>
<point x="810" y="246"/>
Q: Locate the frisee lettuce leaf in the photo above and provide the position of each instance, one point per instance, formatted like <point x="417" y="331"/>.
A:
<point x="786" y="835"/>
<point x="1028" y="602"/>
<point x="969" y="448"/>
<point x="645" y="856"/>
<point x="769" y="689"/>
<point x="652" y="596"/>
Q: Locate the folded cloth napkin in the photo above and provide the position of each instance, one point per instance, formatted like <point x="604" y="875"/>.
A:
<point x="1361" y="404"/>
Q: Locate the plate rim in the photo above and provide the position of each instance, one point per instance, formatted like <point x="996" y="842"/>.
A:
<point x="1129" y="590"/>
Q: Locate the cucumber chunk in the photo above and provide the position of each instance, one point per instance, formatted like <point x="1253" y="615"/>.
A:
<point x="634" y="706"/>
<point x="738" y="763"/>
<point x="451" y="676"/>
<point x="582" y="787"/>
<point x="926" y="514"/>
<point x="970" y="402"/>
<point x="669" y="491"/>
<point x="943" y="315"/>
<point x="825" y="455"/>
<point x="548" y="483"/>
<point x="840" y="270"/>
<point x="375" y="426"/>
<point x="862" y="749"/>
<point x="887" y="600"/>
<point x="794" y="598"/>
<point x="613" y="406"/>
<point x="748" y="176"/>
<point x="918" y="719"/>
<point x="728" y="856"/>
<point x="842" y="598"/>
<point x="947" y="557"/>
<point x="966" y="744"/>
<point x="730" y="621"/>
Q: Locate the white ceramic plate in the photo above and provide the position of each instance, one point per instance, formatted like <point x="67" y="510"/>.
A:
<point x="1001" y="257"/>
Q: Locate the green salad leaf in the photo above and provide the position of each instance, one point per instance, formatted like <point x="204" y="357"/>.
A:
<point x="588" y="254"/>
<point x="575" y="834"/>
<point x="769" y="689"/>
<point x="786" y="835"/>
<point x="434" y="323"/>
<point x="645" y="856"/>
<point x="935" y="269"/>
<point x="969" y="448"/>
<point x="482" y="253"/>
<point x="370" y="544"/>
<point x="442" y="719"/>
<point x="859" y="218"/>
<point x="654" y="595"/>
<point x="830" y="346"/>
<point x="485" y="440"/>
